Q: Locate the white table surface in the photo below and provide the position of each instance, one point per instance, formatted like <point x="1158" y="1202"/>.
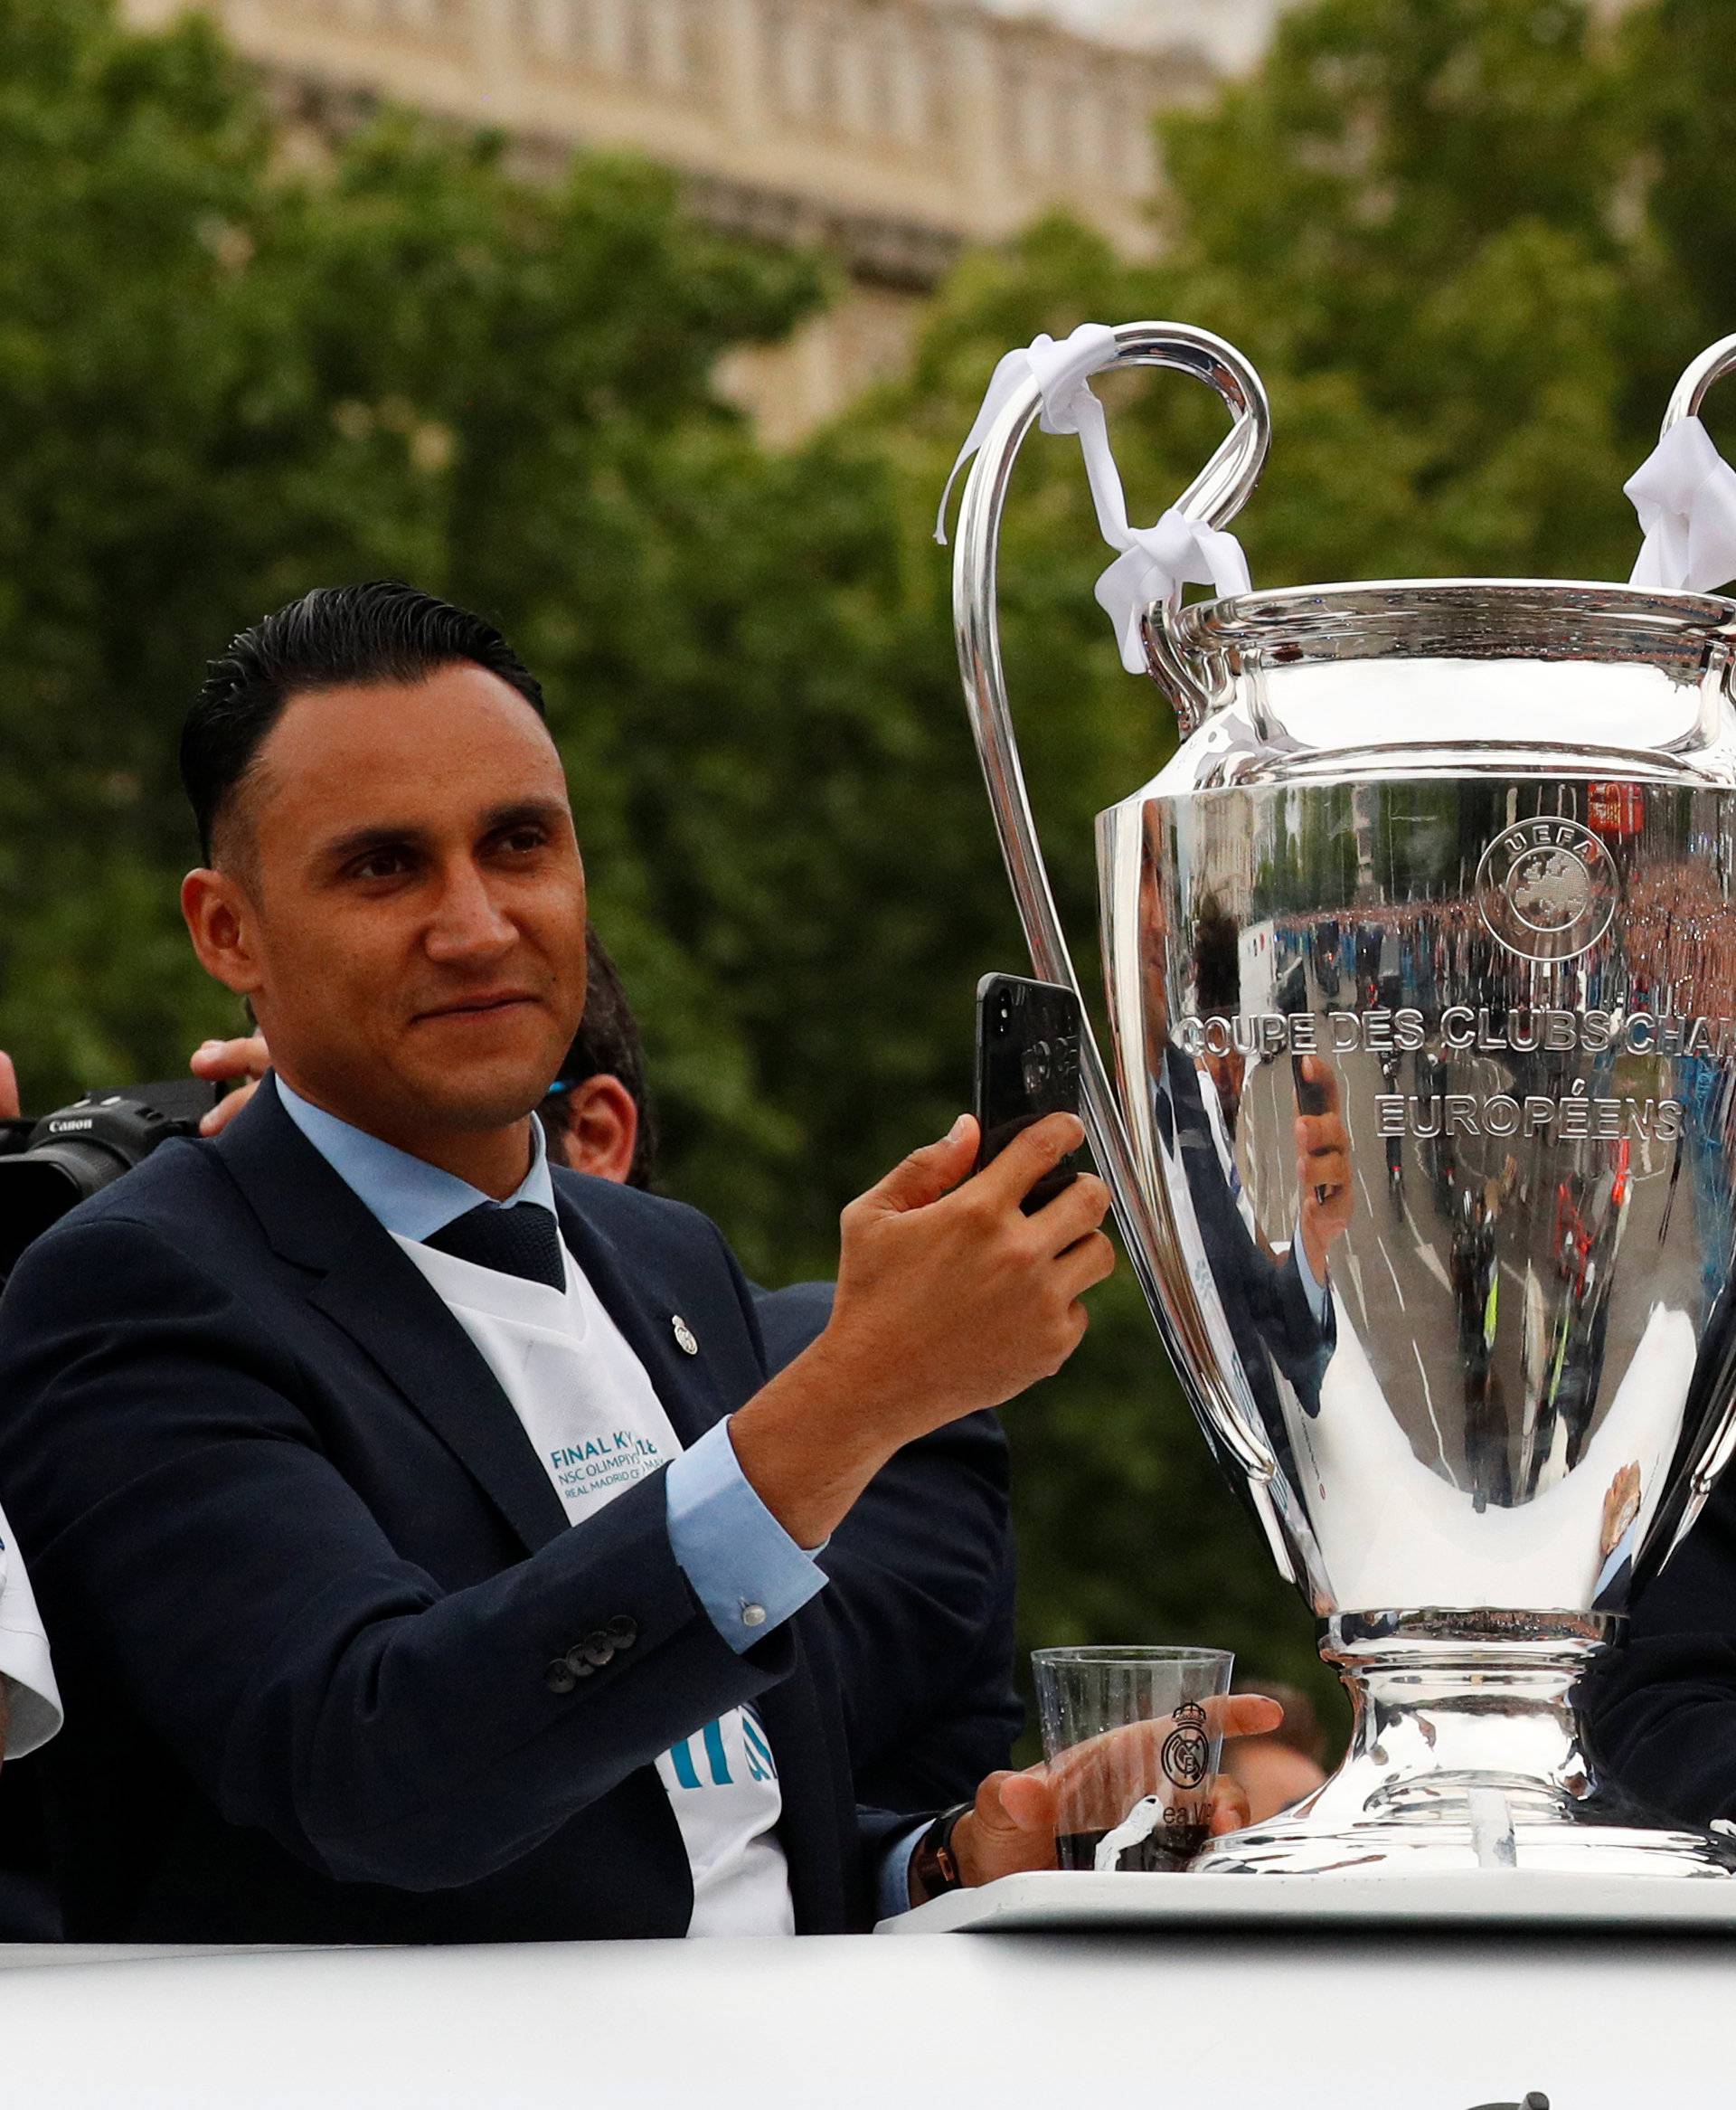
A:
<point x="1470" y="1898"/>
<point x="1191" y="2014"/>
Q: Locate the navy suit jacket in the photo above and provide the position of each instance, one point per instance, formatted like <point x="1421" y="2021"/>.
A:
<point x="305" y="1577"/>
<point x="920" y="1601"/>
<point x="1662" y="1706"/>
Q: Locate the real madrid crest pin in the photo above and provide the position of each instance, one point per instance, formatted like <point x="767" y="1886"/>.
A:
<point x="684" y="1339"/>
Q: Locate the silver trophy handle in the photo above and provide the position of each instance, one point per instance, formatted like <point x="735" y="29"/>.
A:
<point x="1216" y="494"/>
<point x="1718" y="1444"/>
<point x="1712" y="364"/>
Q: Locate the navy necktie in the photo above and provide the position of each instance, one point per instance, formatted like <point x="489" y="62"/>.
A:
<point x="523" y="1240"/>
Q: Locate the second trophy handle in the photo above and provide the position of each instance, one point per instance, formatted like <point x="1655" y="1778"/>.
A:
<point x="1689" y="392"/>
<point x="1710" y="1444"/>
<point x="1215" y="496"/>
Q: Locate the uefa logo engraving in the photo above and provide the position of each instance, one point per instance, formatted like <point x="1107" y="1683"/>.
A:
<point x="1547" y="888"/>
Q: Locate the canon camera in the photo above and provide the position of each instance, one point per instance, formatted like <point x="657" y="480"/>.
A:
<point x="49" y="1165"/>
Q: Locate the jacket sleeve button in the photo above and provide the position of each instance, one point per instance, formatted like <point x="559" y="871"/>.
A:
<point x="559" y="1676"/>
<point x="578" y="1664"/>
<point x="597" y="1650"/>
<point x="622" y="1631"/>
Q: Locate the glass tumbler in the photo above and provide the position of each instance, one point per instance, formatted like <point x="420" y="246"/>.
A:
<point x="1132" y="1737"/>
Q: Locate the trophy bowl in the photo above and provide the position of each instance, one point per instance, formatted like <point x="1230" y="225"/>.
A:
<point x="1447" y="866"/>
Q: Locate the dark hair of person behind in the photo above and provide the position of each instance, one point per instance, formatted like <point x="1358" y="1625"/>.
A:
<point x="606" y="1045"/>
<point x="1301" y="1727"/>
<point x="334" y="637"/>
<point x="1217" y="960"/>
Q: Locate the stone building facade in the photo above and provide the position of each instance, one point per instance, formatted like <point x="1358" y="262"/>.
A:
<point x="895" y="132"/>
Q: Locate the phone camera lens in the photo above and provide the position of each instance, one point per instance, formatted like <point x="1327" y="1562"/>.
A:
<point x="1036" y="1066"/>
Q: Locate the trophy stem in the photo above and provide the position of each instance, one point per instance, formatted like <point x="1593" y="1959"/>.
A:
<point x="1467" y="1751"/>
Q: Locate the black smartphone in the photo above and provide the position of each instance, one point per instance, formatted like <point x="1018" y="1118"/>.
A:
<point x="1027" y="1066"/>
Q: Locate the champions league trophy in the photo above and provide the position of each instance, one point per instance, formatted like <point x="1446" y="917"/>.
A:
<point x="1450" y="862"/>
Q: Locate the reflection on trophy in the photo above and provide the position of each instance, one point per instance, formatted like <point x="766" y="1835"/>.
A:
<point x="1421" y="981"/>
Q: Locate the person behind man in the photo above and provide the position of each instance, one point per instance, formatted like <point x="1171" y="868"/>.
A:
<point x="922" y="1571"/>
<point x="421" y="1539"/>
<point x="1277" y="1770"/>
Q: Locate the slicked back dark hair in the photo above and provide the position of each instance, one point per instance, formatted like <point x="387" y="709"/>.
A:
<point x="334" y="638"/>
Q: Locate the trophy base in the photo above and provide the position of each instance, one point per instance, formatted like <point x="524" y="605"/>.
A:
<point x="1466" y="1752"/>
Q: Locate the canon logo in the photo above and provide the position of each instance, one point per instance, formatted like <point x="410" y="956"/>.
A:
<point x="62" y="1128"/>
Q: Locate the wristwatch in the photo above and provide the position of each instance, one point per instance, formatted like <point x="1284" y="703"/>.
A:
<point x="932" y="1865"/>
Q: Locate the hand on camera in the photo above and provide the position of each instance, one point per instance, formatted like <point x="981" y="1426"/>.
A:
<point x="220" y="1061"/>
<point x="10" y="1108"/>
<point x="950" y="1299"/>
<point x="1012" y="1828"/>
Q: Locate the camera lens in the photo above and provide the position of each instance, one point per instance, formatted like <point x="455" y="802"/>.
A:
<point x="38" y="1186"/>
<point x="1036" y="1066"/>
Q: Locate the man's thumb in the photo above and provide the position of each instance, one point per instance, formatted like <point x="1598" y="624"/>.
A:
<point x="10" y="1108"/>
<point x="929" y="1173"/>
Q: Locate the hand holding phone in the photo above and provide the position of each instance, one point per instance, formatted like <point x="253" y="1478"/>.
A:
<point x="1027" y="1066"/>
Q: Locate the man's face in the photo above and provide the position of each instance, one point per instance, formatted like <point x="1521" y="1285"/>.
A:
<point x="417" y="902"/>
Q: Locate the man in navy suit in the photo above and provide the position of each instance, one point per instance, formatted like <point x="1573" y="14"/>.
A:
<point x="921" y="1573"/>
<point x="425" y="1551"/>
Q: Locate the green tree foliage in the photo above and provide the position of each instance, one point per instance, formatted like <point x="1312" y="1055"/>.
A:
<point x="1468" y="241"/>
<point x="222" y="380"/>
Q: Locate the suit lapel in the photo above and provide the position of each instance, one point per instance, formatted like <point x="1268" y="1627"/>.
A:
<point x="807" y="1737"/>
<point x="386" y="1305"/>
<point x="371" y="1288"/>
<point x="646" y="1314"/>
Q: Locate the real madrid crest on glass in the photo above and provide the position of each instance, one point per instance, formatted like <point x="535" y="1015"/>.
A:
<point x="683" y="1333"/>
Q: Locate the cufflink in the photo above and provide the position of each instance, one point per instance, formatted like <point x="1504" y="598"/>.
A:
<point x="683" y="1333"/>
<point x="752" y="1615"/>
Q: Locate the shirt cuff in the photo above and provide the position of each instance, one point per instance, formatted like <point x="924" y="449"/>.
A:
<point x="748" y="1572"/>
<point x="893" y="1895"/>
<point x="1319" y="1298"/>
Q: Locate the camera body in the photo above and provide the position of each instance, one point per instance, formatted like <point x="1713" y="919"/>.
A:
<point x="48" y="1167"/>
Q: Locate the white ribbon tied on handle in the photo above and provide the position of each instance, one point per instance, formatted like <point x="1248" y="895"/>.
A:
<point x="1155" y="562"/>
<point x="1684" y="493"/>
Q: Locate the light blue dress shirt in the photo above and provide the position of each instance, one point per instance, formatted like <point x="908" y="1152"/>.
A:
<point x="747" y="1571"/>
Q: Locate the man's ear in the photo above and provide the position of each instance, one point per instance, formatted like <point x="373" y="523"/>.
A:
<point x="220" y="920"/>
<point x="602" y="1129"/>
